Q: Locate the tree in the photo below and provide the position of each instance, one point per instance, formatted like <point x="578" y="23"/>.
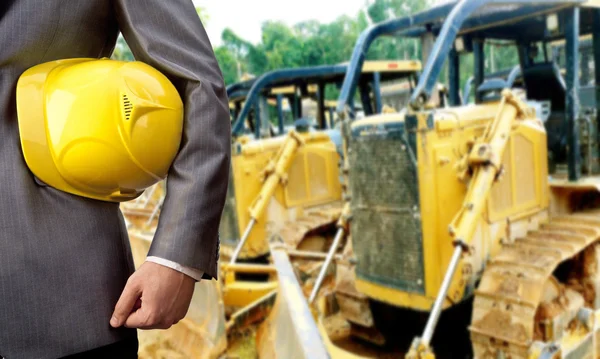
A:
<point x="122" y="51"/>
<point x="228" y="64"/>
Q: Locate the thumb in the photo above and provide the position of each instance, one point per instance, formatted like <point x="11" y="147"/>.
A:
<point x="125" y="304"/>
<point x="137" y="319"/>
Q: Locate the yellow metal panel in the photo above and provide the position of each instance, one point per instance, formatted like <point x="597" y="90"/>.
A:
<point x="395" y="297"/>
<point x="296" y="188"/>
<point x="241" y="293"/>
<point x="392" y="66"/>
<point x="437" y="243"/>
<point x="500" y="203"/>
<point x="290" y="90"/>
<point x="287" y="90"/>
<point x="315" y="179"/>
<point x="525" y="175"/>
<point x="250" y="159"/>
<point x="318" y="184"/>
<point x="525" y="182"/>
<point x="591" y="3"/>
<point x="441" y="193"/>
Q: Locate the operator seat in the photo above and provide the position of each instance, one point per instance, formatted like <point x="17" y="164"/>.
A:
<point x="544" y="82"/>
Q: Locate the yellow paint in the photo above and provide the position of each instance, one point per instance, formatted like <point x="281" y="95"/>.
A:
<point x="290" y="90"/>
<point x="395" y="297"/>
<point x="239" y="294"/>
<point x="247" y="268"/>
<point x="391" y="66"/>
<point x="275" y="173"/>
<point x="591" y="3"/>
<point x="101" y="129"/>
<point x="333" y="350"/>
<point x="312" y="180"/>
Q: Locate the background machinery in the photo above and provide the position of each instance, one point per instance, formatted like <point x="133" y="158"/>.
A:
<point x="486" y="201"/>
<point x="290" y="178"/>
<point x="490" y="207"/>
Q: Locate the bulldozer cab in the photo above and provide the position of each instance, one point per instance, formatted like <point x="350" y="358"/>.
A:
<point x="505" y="79"/>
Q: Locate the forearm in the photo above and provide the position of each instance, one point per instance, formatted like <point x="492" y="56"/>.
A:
<point x="169" y="36"/>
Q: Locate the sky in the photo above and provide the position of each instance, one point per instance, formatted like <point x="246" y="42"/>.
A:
<point x="245" y="17"/>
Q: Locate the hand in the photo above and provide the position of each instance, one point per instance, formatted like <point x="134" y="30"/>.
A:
<point x="155" y="297"/>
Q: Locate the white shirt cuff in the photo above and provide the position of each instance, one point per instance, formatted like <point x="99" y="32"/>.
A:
<point x="191" y="272"/>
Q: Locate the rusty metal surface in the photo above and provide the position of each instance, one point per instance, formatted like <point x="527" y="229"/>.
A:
<point x="385" y="199"/>
<point x="313" y="221"/>
<point x="254" y="313"/>
<point x="353" y="305"/>
<point x="520" y="301"/>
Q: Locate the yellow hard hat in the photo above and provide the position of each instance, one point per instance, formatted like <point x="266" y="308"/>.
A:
<point x="101" y="129"/>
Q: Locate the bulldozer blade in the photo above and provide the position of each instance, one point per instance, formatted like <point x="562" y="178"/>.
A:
<point x="254" y="312"/>
<point x="201" y="334"/>
<point x="290" y="330"/>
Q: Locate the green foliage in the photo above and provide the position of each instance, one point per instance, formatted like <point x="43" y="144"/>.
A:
<point x="228" y="64"/>
<point x="201" y="11"/>
<point x="122" y="51"/>
<point x="311" y="43"/>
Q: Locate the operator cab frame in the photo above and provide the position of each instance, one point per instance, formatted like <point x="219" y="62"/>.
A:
<point x="288" y="87"/>
<point x="532" y="27"/>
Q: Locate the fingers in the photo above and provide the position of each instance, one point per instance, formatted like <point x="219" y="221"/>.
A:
<point x="155" y="297"/>
<point x="146" y="318"/>
<point x="125" y="305"/>
<point x="139" y="319"/>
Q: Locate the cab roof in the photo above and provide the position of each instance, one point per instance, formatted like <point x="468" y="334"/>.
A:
<point x="280" y="81"/>
<point x="285" y="81"/>
<point x="521" y="20"/>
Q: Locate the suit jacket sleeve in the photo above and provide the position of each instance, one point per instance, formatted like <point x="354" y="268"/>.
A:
<point x="169" y="36"/>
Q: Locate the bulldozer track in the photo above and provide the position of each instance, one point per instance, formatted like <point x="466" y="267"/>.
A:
<point x="520" y="301"/>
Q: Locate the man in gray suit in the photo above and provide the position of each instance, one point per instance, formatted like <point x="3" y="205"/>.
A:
<point x="66" y="269"/>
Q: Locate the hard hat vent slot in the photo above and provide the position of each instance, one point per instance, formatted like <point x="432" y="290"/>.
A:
<point x="127" y="106"/>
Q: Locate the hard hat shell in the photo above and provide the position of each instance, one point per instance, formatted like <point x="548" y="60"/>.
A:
<point x="101" y="129"/>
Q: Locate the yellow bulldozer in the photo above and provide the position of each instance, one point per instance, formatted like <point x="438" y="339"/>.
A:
<point x="483" y="219"/>
<point x="288" y="180"/>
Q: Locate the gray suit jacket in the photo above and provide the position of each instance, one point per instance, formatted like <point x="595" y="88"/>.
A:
<point x="64" y="259"/>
